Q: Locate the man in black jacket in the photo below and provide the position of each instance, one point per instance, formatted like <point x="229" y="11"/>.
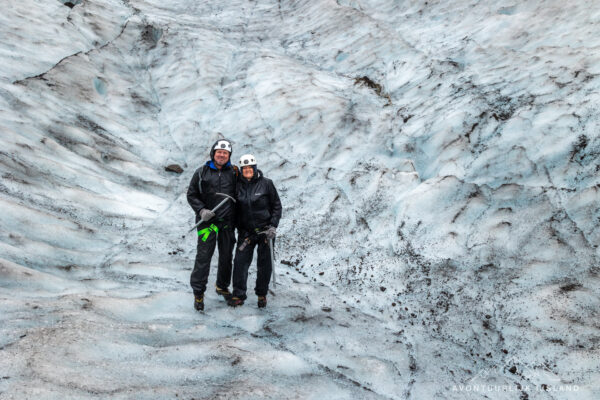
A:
<point x="217" y="176"/>
<point x="258" y="211"/>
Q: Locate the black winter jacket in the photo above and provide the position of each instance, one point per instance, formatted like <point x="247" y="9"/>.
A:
<point x="208" y="180"/>
<point x="258" y="203"/>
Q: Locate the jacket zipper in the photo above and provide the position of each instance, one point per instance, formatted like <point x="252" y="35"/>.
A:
<point x="249" y="187"/>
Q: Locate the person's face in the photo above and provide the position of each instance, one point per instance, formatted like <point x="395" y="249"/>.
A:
<point x="221" y="157"/>
<point x="247" y="172"/>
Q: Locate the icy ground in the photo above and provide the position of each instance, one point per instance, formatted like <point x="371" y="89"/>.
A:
<point x="438" y="162"/>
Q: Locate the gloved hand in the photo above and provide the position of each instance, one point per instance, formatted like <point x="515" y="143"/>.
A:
<point x="270" y="232"/>
<point x="206" y="214"/>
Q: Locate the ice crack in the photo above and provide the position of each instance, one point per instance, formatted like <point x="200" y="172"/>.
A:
<point x="41" y="75"/>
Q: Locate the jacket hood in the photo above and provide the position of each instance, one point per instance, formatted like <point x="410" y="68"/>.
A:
<point x="257" y="175"/>
<point x="211" y="164"/>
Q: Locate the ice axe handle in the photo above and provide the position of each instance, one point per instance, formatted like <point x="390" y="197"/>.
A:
<point x="227" y="197"/>
<point x="272" y="262"/>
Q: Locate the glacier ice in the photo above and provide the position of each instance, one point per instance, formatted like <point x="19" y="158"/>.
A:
<point x="438" y="165"/>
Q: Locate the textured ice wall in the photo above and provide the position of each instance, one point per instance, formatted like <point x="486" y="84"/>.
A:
<point x="437" y="160"/>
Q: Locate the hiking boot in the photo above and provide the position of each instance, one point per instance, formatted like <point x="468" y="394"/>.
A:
<point x="224" y="292"/>
<point x="234" y="302"/>
<point x="199" y="303"/>
<point x="262" y="301"/>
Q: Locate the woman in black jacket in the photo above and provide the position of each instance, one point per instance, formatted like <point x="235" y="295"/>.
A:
<point x="258" y="211"/>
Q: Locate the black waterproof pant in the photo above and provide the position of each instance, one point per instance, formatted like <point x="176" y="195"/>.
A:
<point x="225" y="238"/>
<point x="242" y="262"/>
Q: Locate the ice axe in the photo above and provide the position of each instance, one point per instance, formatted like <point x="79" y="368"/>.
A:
<point x="227" y="197"/>
<point x="272" y="261"/>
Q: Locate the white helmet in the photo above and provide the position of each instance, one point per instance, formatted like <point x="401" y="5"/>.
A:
<point x="247" y="160"/>
<point x="222" y="145"/>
